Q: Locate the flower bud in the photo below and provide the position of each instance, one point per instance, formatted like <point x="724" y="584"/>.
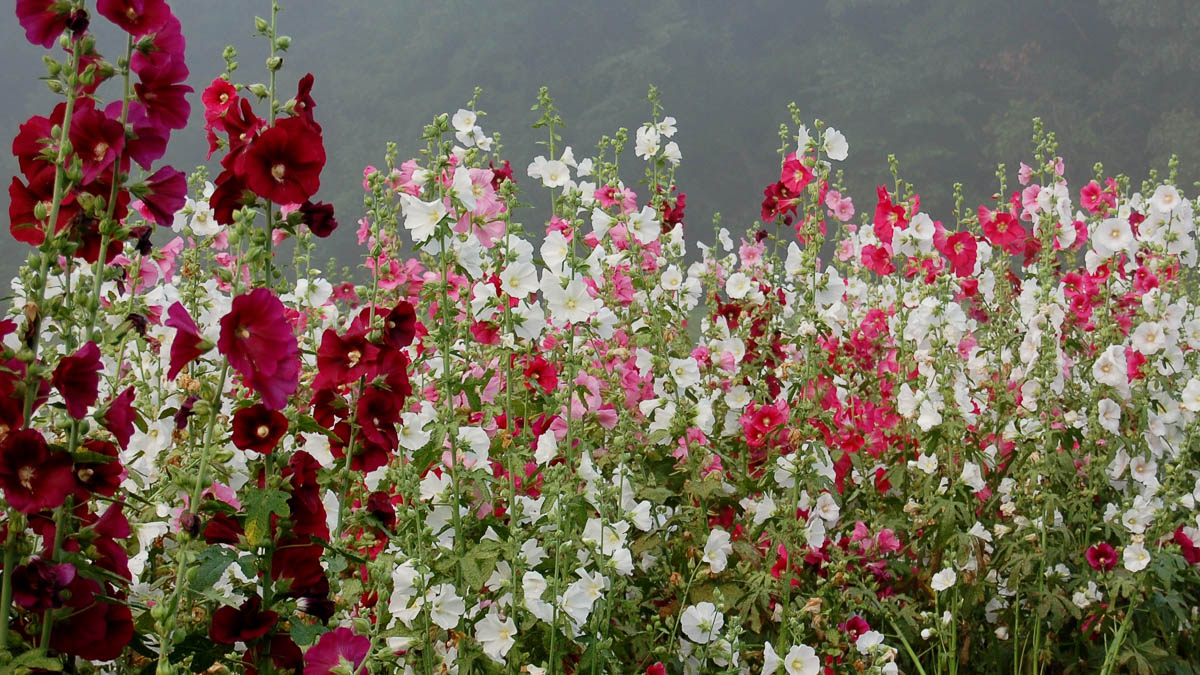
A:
<point x="274" y="63"/>
<point x="261" y="25"/>
<point x="53" y="68"/>
<point x="283" y="42"/>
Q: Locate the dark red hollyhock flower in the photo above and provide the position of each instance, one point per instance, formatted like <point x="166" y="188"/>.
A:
<point x="97" y="141"/>
<point x="43" y="20"/>
<point x="166" y="192"/>
<point x="99" y="476"/>
<point x="258" y="428"/>
<point x="230" y="195"/>
<point x="77" y="378"/>
<point x="258" y="341"/>
<point x="540" y="373"/>
<point x="243" y="624"/>
<point x="118" y="417"/>
<point x="32" y="476"/>
<point x="23" y="222"/>
<point x="161" y="90"/>
<point x="299" y="560"/>
<point x="285" y="655"/>
<point x="243" y="126"/>
<point x="377" y="415"/>
<point x="335" y="648"/>
<point x="305" y="103"/>
<point x="223" y="529"/>
<point x="283" y="164"/>
<point x="33" y="138"/>
<point x="149" y="141"/>
<point x="1102" y="556"/>
<point x="306" y="509"/>
<point x="97" y="628"/>
<point x="341" y="360"/>
<point x="657" y="669"/>
<point x="400" y="325"/>
<point x="1191" y="553"/>
<point x="167" y="45"/>
<point x="502" y="174"/>
<point x="189" y="344"/>
<point x="136" y="17"/>
<point x="379" y="504"/>
<point x="319" y="218"/>
<point x="39" y="585"/>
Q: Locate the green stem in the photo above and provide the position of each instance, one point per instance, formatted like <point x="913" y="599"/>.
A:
<point x="10" y="562"/>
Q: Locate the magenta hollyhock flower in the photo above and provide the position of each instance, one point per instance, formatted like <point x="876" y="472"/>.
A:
<point x="77" y="378"/>
<point x="400" y="325"/>
<point x="23" y="223"/>
<point x="136" y="17"/>
<point x="260" y="345"/>
<point x="118" y="417"/>
<point x="43" y="20"/>
<point x="241" y="624"/>
<point x="257" y="428"/>
<point x="188" y="343"/>
<point x="33" y="477"/>
<point x="166" y="192"/>
<point x="336" y="648"/>
<point x="161" y="90"/>
<point x="1102" y="556"/>
<point x="149" y="141"/>
<point x="283" y="164"/>
<point x="101" y="477"/>
<point x="97" y="141"/>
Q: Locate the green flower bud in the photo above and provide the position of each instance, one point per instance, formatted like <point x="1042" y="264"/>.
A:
<point x="261" y="25"/>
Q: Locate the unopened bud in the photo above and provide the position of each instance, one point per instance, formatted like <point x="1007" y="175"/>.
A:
<point x="274" y="63"/>
<point x="261" y="25"/>
<point x="283" y="42"/>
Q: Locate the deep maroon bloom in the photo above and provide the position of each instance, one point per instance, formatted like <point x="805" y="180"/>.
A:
<point x="377" y="415"/>
<point x="188" y="343"/>
<point x="243" y="624"/>
<point x="299" y="560"/>
<point x="334" y="649"/>
<point x="400" y="325"/>
<point x="1102" y="556"/>
<point x="77" y="378"/>
<point x="33" y="477"/>
<point x="379" y="504"/>
<point x="283" y="164"/>
<point x="96" y="475"/>
<point x="166" y="192"/>
<point x="223" y="529"/>
<point x="136" y="17"/>
<point x="341" y="360"/>
<point x="305" y="103"/>
<point x="118" y="418"/>
<point x="38" y="586"/>
<point x="97" y="141"/>
<point x="97" y="628"/>
<point x="319" y="218"/>
<point x="258" y="428"/>
<point x="260" y="345"/>
<point x="161" y="90"/>
<point x="306" y="509"/>
<point x="43" y="20"/>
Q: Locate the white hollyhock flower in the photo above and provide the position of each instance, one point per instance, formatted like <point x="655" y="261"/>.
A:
<point x="868" y="641"/>
<point x="827" y="508"/>
<point x="1136" y="557"/>
<point x="555" y="250"/>
<point x="943" y="580"/>
<point x="1165" y="198"/>
<point x="421" y="218"/>
<point x="547" y="448"/>
<point x="483" y="305"/>
<point x="686" y="372"/>
<point x="802" y="660"/>
<point x="771" y="660"/>
<point x="1109" y="367"/>
<point x="671" y="279"/>
<point x="927" y="463"/>
<point x="555" y="174"/>
<point x="446" y="607"/>
<point x="1143" y="470"/>
<point x="519" y="279"/>
<point x="717" y="549"/>
<point x="672" y="154"/>
<point x="647" y="143"/>
<point x="1148" y="338"/>
<point x="644" y="225"/>
<point x="568" y="305"/>
<point x="1112" y="235"/>
<point x="496" y="635"/>
<point x="464" y="120"/>
<point x="666" y="126"/>
<point x="973" y="476"/>
<point x="461" y="187"/>
<point x="835" y="145"/>
<point x="738" y="285"/>
<point x="1110" y="416"/>
<point x="1190" y="398"/>
<point x="702" y="623"/>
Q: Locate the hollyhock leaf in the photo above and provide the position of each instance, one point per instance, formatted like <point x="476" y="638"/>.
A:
<point x="211" y="564"/>
<point x="260" y="504"/>
<point x="306" y="634"/>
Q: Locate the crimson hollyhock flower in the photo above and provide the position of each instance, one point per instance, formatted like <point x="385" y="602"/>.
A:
<point x="377" y="414"/>
<point x="218" y="98"/>
<point x="34" y="137"/>
<point x="161" y="90"/>
<point x="39" y="585"/>
<point x="339" y="649"/>
<point x="305" y="508"/>
<point x="960" y="249"/>
<point x="167" y="45"/>
<point x="400" y="325"/>
<point x="257" y="428"/>
<point x="118" y="417"/>
<point x="165" y="193"/>
<point x="260" y="345"/>
<point x="1102" y="556"/>
<point x="97" y="141"/>
<point x="283" y="164"/>
<point x="341" y="360"/>
<point x="1191" y="553"/>
<point x="657" y="669"/>
<point x="1003" y="231"/>
<point x="77" y="378"/>
<point x="319" y="218"/>
<point x="298" y="560"/>
<point x="540" y="373"/>
<point x="379" y="504"/>
<point x="96" y="629"/>
<point x="188" y="343"/>
<point x="33" y="477"/>
<point x="149" y="141"/>
<point x="99" y="476"/>
<point x="23" y="222"/>
<point x="305" y="103"/>
<point x="136" y="17"/>
<point x="43" y="20"/>
<point x="795" y="175"/>
<point x="242" y="624"/>
<point x="223" y="529"/>
<point x="888" y="216"/>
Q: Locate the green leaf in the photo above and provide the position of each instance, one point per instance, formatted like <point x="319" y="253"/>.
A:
<point x="260" y="504"/>
<point x="204" y="652"/>
<point x="33" y="659"/>
<point x="307" y="633"/>
<point x="211" y="564"/>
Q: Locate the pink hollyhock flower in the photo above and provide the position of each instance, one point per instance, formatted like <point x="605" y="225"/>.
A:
<point x="136" y="17"/>
<point x="338" y="648"/>
<point x="77" y="378"/>
<point x="188" y="343"/>
<point x="258" y="341"/>
<point x="1004" y="232"/>
<point x="657" y="669"/>
<point x="878" y="259"/>
<point x="888" y="216"/>
<point x="284" y="163"/>
<point x="1191" y="553"/>
<point x="32" y="476"/>
<point x="43" y="20"/>
<point x="1101" y="557"/>
<point x="795" y="175"/>
<point x="960" y="249"/>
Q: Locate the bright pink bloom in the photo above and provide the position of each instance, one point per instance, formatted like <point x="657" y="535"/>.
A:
<point x="43" y="20"/>
<point x="1101" y="557"/>
<point x="340" y="647"/>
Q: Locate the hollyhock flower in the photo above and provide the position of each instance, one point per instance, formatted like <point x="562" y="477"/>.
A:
<point x="1136" y="557"/>
<point x="943" y="580"/>
<point x="161" y="91"/>
<point x="835" y="145"/>
<point x="1102" y="556"/>
<point x="258" y="428"/>
<point x="259" y="343"/>
<point x="794" y="174"/>
<point x="878" y="259"/>
<point x="188" y="343"/>
<point x="702" y="623"/>
<point x="1112" y="235"/>
<point x="24" y="224"/>
<point x="400" y="325"/>
<point x="319" y="218"/>
<point x="136" y="17"/>
<point x="421" y="218"/>
<point x="241" y="624"/>
<point x="496" y="635"/>
<point x="802" y="660"/>
<point x="717" y="550"/>
<point x="43" y="20"/>
<point x="343" y="359"/>
<point x="164" y="194"/>
<point x="338" y="649"/>
<point x="283" y="164"/>
<point x="960" y="249"/>
<point x="118" y="417"/>
<point x="304" y="103"/>
<point x="96" y="139"/>
<point x="1004" y="231"/>
<point x="99" y="477"/>
<point x="97" y="628"/>
<point x="39" y="585"/>
<point x="218" y="97"/>
<point x="77" y="378"/>
<point x="33" y="477"/>
<point x="657" y="669"/>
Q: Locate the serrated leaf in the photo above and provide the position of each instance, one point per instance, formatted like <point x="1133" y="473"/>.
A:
<point x="307" y="633"/>
<point x="211" y="564"/>
<point x="260" y="504"/>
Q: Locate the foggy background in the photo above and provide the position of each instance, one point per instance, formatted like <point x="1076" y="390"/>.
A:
<point x="948" y="86"/>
